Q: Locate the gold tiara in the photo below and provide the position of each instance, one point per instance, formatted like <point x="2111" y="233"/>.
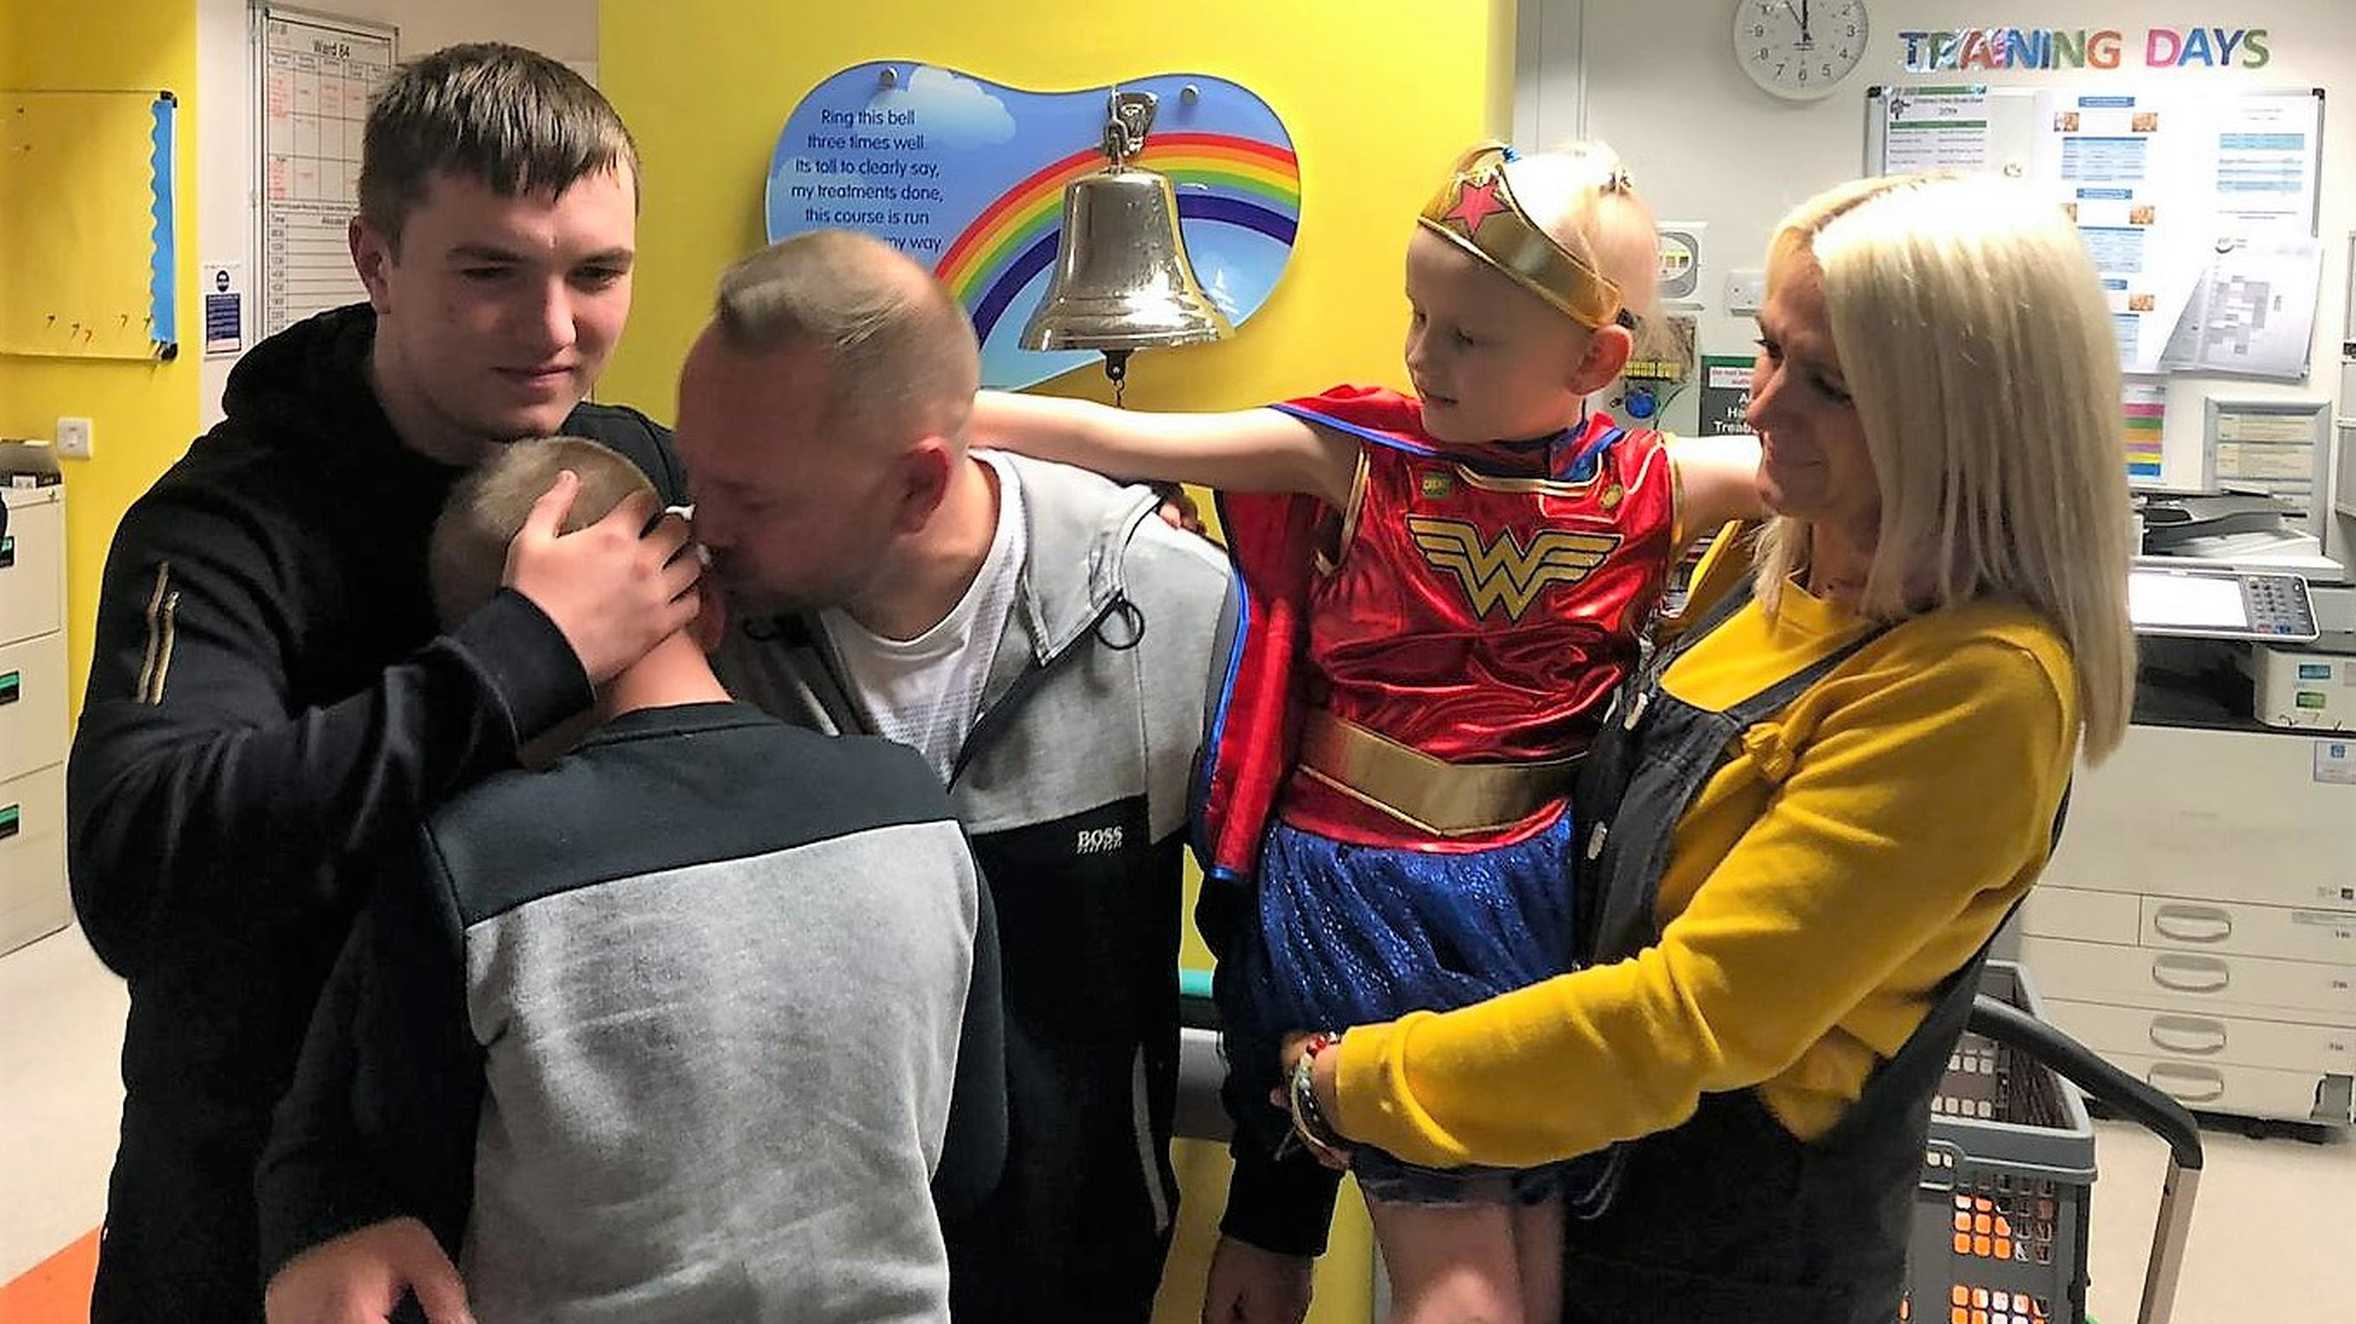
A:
<point x="1476" y="211"/>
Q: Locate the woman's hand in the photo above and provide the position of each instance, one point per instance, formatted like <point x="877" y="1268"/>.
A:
<point x="1323" y="1084"/>
<point x="1289" y="1055"/>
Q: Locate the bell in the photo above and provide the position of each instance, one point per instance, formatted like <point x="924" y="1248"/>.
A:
<point x="1122" y="281"/>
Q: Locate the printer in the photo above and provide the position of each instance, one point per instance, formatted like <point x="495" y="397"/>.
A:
<point x="2196" y="925"/>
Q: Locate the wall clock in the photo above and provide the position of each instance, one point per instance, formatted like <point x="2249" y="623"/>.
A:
<point x="1799" y="49"/>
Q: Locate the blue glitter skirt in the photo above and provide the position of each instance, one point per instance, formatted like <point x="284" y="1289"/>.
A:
<point x="1351" y="934"/>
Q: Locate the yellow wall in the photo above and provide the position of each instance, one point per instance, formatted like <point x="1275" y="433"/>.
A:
<point x="142" y="415"/>
<point x="1379" y="96"/>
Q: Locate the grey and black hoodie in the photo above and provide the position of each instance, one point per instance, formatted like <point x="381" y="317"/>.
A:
<point x="697" y="1024"/>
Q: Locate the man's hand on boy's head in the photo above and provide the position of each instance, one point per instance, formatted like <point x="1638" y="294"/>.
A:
<point x="363" y="1276"/>
<point x="613" y="593"/>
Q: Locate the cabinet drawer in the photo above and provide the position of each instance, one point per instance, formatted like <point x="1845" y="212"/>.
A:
<point x="32" y="571"/>
<point x="32" y="704"/>
<point x="2069" y="912"/>
<point x="2203" y="982"/>
<point x="2192" y="1037"/>
<point x="32" y="857"/>
<point x="2296" y="1096"/>
<point x="2245" y="930"/>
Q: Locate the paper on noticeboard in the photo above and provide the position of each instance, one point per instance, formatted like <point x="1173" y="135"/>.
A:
<point x="2252" y="311"/>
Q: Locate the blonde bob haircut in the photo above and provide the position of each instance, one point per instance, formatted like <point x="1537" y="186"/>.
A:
<point x="1974" y="337"/>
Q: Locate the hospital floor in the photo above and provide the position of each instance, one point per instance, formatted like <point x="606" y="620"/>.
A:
<point x="2269" y="1241"/>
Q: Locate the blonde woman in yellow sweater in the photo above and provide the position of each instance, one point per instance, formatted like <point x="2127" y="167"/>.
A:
<point x="1830" y="793"/>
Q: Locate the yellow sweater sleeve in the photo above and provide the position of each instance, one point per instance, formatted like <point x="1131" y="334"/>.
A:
<point x="1916" y="794"/>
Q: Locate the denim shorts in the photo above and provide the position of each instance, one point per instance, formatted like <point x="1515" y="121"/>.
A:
<point x="1390" y="1180"/>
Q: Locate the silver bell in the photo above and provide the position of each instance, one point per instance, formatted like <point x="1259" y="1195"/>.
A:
<point x="1122" y="281"/>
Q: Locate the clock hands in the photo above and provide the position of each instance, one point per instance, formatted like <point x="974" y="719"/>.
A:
<point x="1799" y="15"/>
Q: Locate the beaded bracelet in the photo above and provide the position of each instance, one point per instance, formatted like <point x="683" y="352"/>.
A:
<point x="1309" y="1123"/>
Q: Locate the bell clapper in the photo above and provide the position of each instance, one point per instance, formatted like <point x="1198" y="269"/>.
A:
<point x="1116" y="370"/>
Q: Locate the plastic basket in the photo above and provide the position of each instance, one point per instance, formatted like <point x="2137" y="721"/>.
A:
<point x="2000" y="1216"/>
<point x="1999" y="1232"/>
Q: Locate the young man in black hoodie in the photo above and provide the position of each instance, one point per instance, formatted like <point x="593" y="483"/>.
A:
<point x="271" y="697"/>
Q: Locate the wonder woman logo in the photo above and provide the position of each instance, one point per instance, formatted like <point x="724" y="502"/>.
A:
<point x="1505" y="573"/>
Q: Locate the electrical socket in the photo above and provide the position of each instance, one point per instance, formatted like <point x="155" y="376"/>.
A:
<point x="73" y="438"/>
<point x="1745" y="291"/>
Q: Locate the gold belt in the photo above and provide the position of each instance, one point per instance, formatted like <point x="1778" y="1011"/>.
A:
<point x="1447" y="799"/>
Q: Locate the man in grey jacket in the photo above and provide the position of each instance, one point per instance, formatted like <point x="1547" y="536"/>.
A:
<point x="1044" y="641"/>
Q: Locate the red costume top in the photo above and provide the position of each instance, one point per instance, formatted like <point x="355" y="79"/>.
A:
<point x="1474" y="605"/>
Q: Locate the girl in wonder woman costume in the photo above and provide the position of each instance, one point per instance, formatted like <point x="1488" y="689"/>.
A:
<point x="1439" y="594"/>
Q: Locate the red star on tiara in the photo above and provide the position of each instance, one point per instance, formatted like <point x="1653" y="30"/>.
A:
<point x="1476" y="203"/>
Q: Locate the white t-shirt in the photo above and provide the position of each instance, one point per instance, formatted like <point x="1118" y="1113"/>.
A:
<point x="926" y="692"/>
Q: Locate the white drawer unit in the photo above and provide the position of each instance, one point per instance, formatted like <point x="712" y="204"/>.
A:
<point x="2214" y="815"/>
<point x="33" y="704"/>
<point x="2197" y="925"/>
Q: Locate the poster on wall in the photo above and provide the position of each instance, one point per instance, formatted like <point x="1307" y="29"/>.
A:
<point x="2267" y="162"/>
<point x="2198" y="208"/>
<point x="223" y="286"/>
<point x="967" y="176"/>
<point x="2252" y="310"/>
<point x="1726" y="394"/>
<point x="1937" y="128"/>
<point x="2140" y="219"/>
<point x="314" y="79"/>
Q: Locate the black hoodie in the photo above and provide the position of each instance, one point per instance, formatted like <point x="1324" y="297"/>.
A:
<point x="270" y="705"/>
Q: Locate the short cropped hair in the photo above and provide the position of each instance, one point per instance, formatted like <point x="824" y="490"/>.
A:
<point x="512" y="118"/>
<point x="900" y="350"/>
<point x="467" y="558"/>
<point x="1581" y="193"/>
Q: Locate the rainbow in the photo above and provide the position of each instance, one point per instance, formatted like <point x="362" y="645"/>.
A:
<point x="1218" y="177"/>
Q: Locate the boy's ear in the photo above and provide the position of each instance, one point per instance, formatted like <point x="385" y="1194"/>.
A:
<point x="1608" y="352"/>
